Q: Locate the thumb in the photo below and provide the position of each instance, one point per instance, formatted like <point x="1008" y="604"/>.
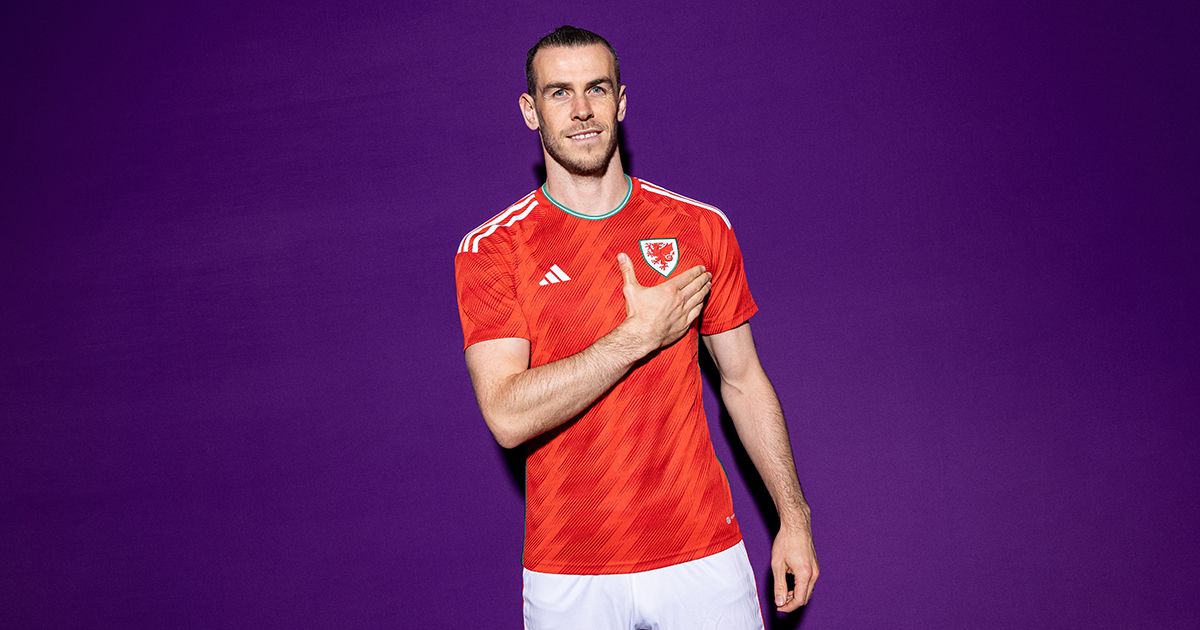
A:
<point x="780" y="572"/>
<point x="627" y="270"/>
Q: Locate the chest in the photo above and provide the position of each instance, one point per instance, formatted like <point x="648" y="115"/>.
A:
<point x="569" y="281"/>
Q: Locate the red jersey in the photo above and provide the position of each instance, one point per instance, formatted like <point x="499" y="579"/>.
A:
<point x="632" y="483"/>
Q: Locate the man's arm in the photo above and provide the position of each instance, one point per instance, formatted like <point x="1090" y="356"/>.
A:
<point x="519" y="402"/>
<point x="758" y="418"/>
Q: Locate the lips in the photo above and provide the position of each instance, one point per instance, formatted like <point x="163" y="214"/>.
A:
<point x="584" y="134"/>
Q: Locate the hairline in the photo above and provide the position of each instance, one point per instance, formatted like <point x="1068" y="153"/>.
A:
<point x="616" y="64"/>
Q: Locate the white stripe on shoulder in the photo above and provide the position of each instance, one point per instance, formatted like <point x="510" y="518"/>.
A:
<point x="655" y="188"/>
<point x="462" y="245"/>
<point x="514" y="219"/>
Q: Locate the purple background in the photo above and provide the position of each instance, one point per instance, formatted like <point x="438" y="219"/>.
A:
<point x="233" y="391"/>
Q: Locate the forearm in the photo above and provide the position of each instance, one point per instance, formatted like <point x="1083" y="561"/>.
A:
<point x="536" y="400"/>
<point x="758" y="418"/>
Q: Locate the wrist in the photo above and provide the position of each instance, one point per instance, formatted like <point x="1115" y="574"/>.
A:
<point x="629" y="341"/>
<point x="796" y="518"/>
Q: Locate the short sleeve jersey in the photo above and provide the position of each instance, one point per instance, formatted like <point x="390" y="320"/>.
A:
<point x="632" y="483"/>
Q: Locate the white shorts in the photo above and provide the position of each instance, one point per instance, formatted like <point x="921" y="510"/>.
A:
<point x="709" y="593"/>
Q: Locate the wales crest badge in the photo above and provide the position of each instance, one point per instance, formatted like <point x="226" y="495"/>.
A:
<point x="662" y="254"/>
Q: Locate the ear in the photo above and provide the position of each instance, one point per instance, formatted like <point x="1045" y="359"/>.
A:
<point x="621" y="104"/>
<point x="529" y="111"/>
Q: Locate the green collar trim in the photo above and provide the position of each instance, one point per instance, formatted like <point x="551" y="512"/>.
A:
<point x="590" y="217"/>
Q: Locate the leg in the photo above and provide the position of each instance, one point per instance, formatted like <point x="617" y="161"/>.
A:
<point x="577" y="602"/>
<point x="717" y="592"/>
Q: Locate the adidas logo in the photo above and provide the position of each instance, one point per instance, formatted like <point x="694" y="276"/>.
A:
<point x="554" y="275"/>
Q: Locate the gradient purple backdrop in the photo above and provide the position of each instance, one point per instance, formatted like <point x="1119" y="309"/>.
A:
<point x="233" y="389"/>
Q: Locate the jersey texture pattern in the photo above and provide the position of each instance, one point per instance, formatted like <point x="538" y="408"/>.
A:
<point x="632" y="483"/>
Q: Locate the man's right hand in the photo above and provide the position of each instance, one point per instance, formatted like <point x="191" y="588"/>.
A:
<point x="659" y="315"/>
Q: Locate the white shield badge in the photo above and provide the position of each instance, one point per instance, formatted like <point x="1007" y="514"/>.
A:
<point x="662" y="254"/>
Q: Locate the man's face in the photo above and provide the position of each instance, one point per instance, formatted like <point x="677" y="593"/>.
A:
<point x="577" y="106"/>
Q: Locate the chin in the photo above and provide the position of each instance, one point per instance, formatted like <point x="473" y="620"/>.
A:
<point x="581" y="167"/>
<point x="582" y="170"/>
<point x="582" y="162"/>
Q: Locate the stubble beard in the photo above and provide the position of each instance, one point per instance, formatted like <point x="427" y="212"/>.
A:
<point x="578" y="162"/>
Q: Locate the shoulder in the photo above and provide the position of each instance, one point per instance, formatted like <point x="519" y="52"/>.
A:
<point x="496" y="231"/>
<point x="706" y="213"/>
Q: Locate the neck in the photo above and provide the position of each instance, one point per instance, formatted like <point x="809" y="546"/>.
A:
<point x="588" y="194"/>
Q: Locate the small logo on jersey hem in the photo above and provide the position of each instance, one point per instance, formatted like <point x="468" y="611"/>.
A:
<point x="554" y="276"/>
<point x="662" y="254"/>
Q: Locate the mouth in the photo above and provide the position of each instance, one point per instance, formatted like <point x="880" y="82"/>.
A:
<point x="585" y="135"/>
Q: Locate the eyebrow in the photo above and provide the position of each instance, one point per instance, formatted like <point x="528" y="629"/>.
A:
<point x="563" y="84"/>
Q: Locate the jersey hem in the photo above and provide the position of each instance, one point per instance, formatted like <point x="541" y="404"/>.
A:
<point x="640" y="565"/>
<point x="473" y="341"/>
<point x="733" y="322"/>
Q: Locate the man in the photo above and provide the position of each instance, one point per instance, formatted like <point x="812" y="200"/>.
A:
<point x="582" y="305"/>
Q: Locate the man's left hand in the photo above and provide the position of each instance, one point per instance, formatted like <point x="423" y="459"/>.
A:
<point x="793" y="552"/>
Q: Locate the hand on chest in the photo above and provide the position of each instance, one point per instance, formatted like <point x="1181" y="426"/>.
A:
<point x="575" y="281"/>
<point x="584" y="267"/>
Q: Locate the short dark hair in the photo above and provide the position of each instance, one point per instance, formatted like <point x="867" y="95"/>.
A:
<point x="567" y="35"/>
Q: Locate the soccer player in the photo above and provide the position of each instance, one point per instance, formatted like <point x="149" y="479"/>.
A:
<point x="582" y="307"/>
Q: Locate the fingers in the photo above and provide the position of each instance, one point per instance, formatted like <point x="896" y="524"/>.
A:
<point x="700" y="291"/>
<point x="795" y="596"/>
<point x="812" y="581"/>
<point x="779" y="571"/>
<point x="627" y="270"/>
<point x="687" y="277"/>
<point x="805" y="577"/>
<point x="793" y="553"/>
<point x="696" y="284"/>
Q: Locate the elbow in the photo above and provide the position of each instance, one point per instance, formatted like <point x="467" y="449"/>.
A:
<point x="507" y="439"/>
<point x="731" y="388"/>
<point x="503" y="430"/>
<point x="748" y="378"/>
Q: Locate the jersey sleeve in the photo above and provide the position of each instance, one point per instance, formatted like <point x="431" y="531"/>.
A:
<point x="729" y="301"/>
<point x="487" y="296"/>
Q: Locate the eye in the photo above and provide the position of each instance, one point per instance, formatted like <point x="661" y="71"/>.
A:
<point x="596" y="89"/>
<point x="557" y="93"/>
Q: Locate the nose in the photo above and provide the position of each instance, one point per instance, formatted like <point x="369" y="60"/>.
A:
<point x="581" y="109"/>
